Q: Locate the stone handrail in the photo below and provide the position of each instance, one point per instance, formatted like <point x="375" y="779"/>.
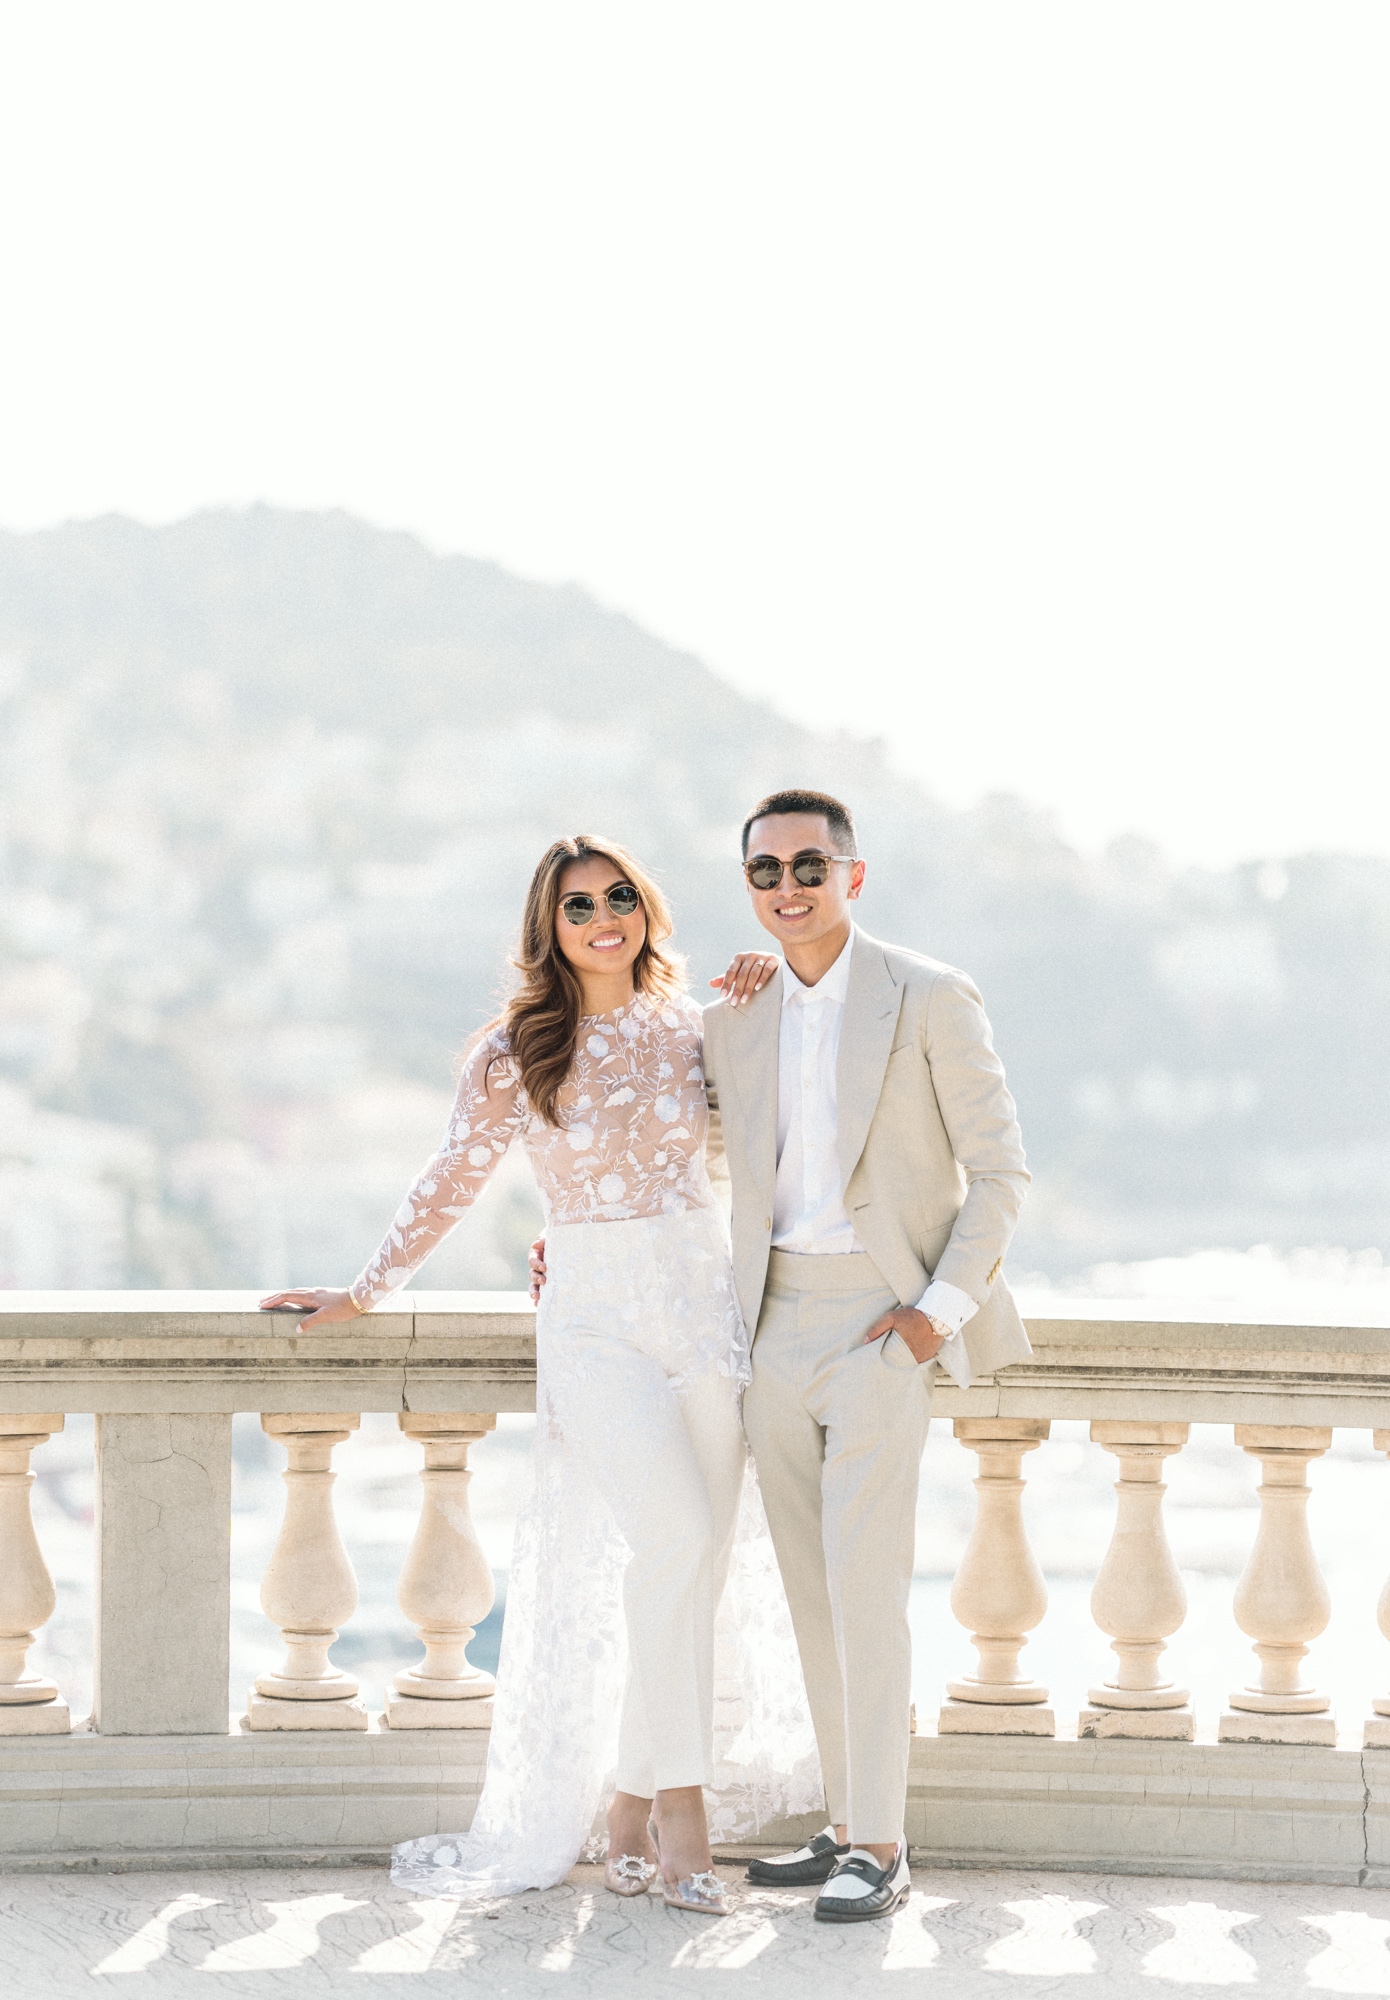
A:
<point x="158" y="1352"/>
<point x="1105" y="1359"/>
<point x="164" y="1372"/>
<point x="162" y="1352"/>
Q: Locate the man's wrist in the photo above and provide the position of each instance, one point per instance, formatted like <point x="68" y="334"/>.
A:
<point x="948" y="1305"/>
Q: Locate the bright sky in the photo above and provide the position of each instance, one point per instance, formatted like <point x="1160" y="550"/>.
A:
<point x="1008" y="380"/>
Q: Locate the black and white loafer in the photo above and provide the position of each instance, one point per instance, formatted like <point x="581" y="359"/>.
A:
<point x="860" y="1889"/>
<point x="815" y="1863"/>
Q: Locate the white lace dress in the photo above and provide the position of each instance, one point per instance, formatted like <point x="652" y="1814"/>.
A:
<point x="637" y="1250"/>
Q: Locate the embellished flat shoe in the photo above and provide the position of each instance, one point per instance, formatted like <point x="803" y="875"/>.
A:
<point x="628" y="1874"/>
<point x="860" y="1889"/>
<point x="702" y="1892"/>
<point x="814" y="1863"/>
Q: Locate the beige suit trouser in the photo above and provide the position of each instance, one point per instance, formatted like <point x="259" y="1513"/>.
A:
<point x="837" y="1430"/>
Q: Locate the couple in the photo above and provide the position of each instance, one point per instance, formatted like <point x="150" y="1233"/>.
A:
<point x="850" y="1095"/>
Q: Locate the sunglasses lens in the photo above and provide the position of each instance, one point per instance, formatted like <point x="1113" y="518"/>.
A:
<point x="764" y="871"/>
<point x="811" y="870"/>
<point x="579" y="909"/>
<point x="623" y="900"/>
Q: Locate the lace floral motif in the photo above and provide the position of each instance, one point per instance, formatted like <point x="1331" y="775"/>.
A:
<point x="559" y="1689"/>
<point x="630" y="1141"/>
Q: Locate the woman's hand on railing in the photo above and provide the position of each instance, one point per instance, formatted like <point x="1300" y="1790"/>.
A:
<point x="321" y="1305"/>
<point x="748" y="973"/>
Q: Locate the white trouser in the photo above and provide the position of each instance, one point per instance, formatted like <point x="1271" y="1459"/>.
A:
<point x="637" y="1322"/>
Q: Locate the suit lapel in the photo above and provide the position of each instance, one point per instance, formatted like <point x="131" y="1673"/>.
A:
<point x="872" y="1005"/>
<point x="750" y="1040"/>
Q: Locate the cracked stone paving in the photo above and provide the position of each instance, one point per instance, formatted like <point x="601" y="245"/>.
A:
<point x="968" y="1933"/>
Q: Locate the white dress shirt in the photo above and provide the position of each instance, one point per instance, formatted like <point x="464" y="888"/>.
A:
<point x="808" y="1210"/>
<point x="809" y="1217"/>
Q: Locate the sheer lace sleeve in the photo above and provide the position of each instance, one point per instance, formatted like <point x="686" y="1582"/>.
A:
<point x="488" y="1112"/>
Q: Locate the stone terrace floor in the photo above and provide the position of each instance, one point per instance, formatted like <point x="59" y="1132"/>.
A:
<point x="966" y="1934"/>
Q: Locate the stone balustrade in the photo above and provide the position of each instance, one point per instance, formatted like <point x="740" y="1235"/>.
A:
<point x="163" y="1374"/>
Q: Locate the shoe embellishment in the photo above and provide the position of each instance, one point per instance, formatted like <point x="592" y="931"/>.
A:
<point x="628" y="1874"/>
<point x="701" y="1891"/>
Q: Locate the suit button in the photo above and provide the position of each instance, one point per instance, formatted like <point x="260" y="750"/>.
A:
<point x="767" y="1222"/>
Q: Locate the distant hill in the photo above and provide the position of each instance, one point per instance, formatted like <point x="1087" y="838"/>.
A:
<point x="271" y="787"/>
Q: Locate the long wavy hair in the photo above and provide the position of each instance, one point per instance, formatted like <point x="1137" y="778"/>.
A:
<point x="542" y="1017"/>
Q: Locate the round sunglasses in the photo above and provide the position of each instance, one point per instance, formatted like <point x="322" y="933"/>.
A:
<point x="810" y="868"/>
<point x="622" y="899"/>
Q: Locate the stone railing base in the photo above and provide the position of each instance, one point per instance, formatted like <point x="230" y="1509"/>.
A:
<point x="1171" y="1725"/>
<point x="246" y="1799"/>
<point x="1257" y="1812"/>
<point x="1246" y="1812"/>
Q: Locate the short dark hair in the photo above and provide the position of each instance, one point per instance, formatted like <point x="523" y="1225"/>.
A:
<point x="838" y="816"/>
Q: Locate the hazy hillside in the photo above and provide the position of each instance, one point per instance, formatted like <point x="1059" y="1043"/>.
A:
<point x="272" y="785"/>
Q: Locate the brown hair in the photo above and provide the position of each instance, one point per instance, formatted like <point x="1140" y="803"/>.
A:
<point x="541" y="1020"/>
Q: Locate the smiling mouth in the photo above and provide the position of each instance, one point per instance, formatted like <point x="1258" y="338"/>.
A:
<point x="606" y="943"/>
<point x="794" y="910"/>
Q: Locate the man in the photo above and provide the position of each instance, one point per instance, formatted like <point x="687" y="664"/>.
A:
<point x="877" y="1172"/>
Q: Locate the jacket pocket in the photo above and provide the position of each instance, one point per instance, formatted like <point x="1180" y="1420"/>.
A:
<point x="931" y="1243"/>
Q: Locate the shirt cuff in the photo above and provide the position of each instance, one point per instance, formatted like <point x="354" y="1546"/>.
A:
<point x="949" y="1306"/>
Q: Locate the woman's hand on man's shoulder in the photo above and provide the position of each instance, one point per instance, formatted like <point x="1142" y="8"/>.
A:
<point x="748" y="973"/>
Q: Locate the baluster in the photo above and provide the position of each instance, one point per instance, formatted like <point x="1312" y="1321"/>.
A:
<point x="1281" y="1599"/>
<point x="309" y="1587"/>
<point x="446" y="1585"/>
<point x="1376" y="1735"/>
<point x="999" y="1594"/>
<point x="30" y="1704"/>
<point x="1138" y="1596"/>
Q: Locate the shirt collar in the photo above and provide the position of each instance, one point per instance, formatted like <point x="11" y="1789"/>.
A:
<point x="832" y="985"/>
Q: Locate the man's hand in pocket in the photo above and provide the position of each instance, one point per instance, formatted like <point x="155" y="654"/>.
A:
<point x="921" y="1336"/>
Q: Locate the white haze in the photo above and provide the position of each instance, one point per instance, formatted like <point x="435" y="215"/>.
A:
<point x="1005" y="380"/>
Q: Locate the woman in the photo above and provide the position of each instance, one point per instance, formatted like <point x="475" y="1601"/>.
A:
<point x="640" y="1462"/>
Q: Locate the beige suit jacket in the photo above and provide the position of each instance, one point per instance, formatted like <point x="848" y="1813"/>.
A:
<point x="931" y="1157"/>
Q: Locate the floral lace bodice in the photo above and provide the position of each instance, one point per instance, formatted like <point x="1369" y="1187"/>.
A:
<point x="630" y="1141"/>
